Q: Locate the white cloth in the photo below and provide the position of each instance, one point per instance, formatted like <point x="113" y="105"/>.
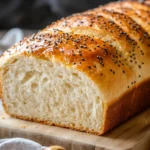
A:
<point x="19" y="144"/>
<point x="10" y="38"/>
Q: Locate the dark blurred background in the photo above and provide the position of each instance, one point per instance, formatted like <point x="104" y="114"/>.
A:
<point x="36" y="14"/>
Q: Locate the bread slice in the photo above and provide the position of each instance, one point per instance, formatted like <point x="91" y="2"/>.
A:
<point x="87" y="72"/>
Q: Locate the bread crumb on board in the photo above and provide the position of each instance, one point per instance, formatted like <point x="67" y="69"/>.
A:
<point x="3" y="117"/>
<point x="23" y="126"/>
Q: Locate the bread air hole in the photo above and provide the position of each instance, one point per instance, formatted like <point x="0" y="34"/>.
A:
<point x="27" y="77"/>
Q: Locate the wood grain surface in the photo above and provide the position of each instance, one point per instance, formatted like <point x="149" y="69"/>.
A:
<point x="132" y="135"/>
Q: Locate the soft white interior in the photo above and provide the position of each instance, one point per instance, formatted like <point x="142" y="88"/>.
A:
<point x="49" y="91"/>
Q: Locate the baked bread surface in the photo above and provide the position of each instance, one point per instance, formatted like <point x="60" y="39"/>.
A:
<point x="87" y="72"/>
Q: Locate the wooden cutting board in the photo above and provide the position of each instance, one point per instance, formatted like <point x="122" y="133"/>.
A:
<point x="132" y="135"/>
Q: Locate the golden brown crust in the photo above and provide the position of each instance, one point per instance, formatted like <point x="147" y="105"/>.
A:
<point x="142" y="21"/>
<point x="102" y="27"/>
<point x="72" y="49"/>
<point x="135" y="5"/>
<point x="132" y="5"/>
<point x="129" y="104"/>
<point x="142" y="17"/>
<point x="134" y="30"/>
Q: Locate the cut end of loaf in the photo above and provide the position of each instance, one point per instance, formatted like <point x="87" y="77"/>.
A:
<point x="48" y="92"/>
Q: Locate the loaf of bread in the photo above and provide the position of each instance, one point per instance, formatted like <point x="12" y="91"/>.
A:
<point x="88" y="72"/>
